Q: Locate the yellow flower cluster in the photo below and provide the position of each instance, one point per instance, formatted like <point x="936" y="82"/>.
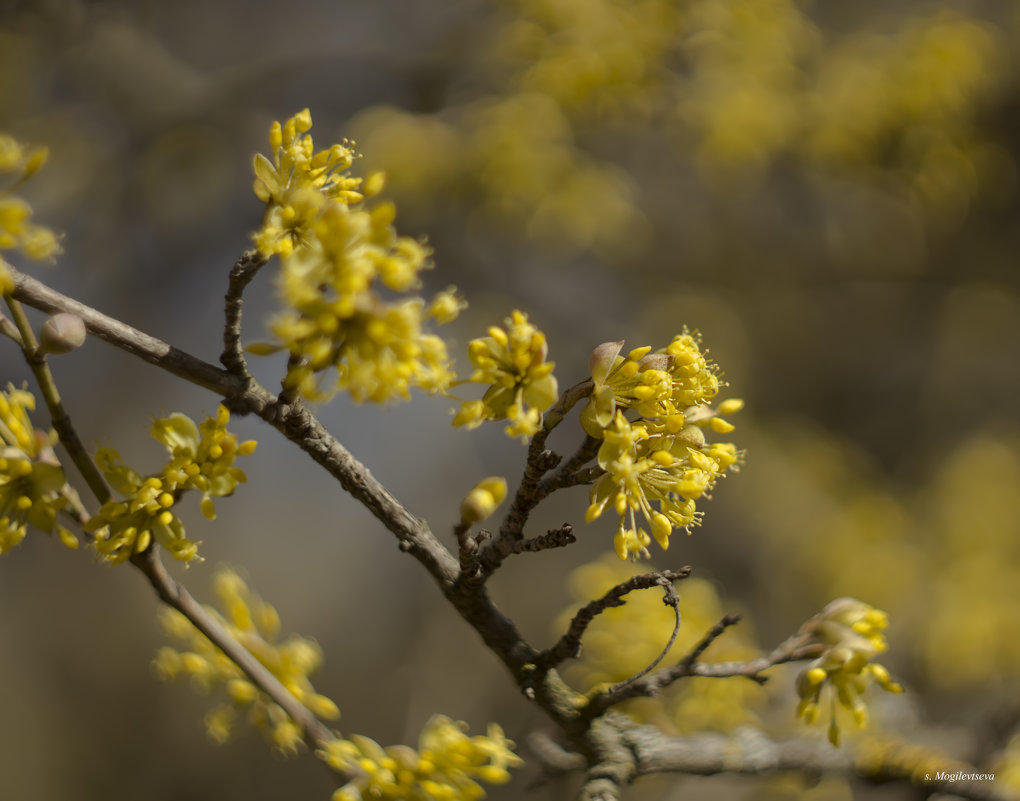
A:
<point x="337" y="256"/>
<point x="661" y="458"/>
<point x="521" y="382"/>
<point x="623" y="640"/>
<point x="444" y="768"/>
<point x="256" y="625"/>
<point x="853" y="634"/>
<point x="16" y="227"/>
<point x="31" y="479"/>
<point x="201" y="458"/>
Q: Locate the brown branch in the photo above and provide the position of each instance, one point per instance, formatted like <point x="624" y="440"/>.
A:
<point x="148" y="348"/>
<point x="539" y="462"/>
<point x="553" y="538"/>
<point x="569" y="473"/>
<point x="302" y="428"/>
<point x="751" y="752"/>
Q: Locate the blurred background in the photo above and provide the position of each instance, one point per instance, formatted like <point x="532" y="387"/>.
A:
<point x="826" y="191"/>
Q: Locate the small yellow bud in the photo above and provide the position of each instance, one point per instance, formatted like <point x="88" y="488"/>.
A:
<point x="482" y="500"/>
<point x="731" y="406"/>
<point x="720" y="426"/>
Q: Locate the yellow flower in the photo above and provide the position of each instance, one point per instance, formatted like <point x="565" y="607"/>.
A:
<point x="662" y="459"/>
<point x="521" y="382"/>
<point x="852" y="632"/>
<point x="31" y="479"/>
<point x="446" y="765"/>
<point x="202" y="456"/>
<point x="125" y="528"/>
<point x="646" y="466"/>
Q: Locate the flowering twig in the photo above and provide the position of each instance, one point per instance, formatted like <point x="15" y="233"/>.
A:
<point x="794" y="649"/>
<point x="175" y="595"/>
<point x="148" y="562"/>
<point x="302" y="428"/>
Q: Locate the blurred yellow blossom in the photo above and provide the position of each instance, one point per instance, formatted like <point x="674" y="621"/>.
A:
<point x="736" y="88"/>
<point x="256" y="625"/>
<point x="17" y="231"/>
<point x="853" y="635"/>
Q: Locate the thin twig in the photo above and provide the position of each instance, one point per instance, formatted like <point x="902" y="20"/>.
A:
<point x="553" y="538"/>
<point x="713" y="634"/>
<point x="671" y="599"/>
<point x="569" y="473"/>
<point x="569" y="645"/>
<point x="8" y="329"/>
<point x="539" y="462"/>
<point x="243" y="271"/>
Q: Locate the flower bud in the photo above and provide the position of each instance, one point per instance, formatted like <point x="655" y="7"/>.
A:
<point x="482" y="500"/>
<point x="602" y="360"/>
<point x="62" y="333"/>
